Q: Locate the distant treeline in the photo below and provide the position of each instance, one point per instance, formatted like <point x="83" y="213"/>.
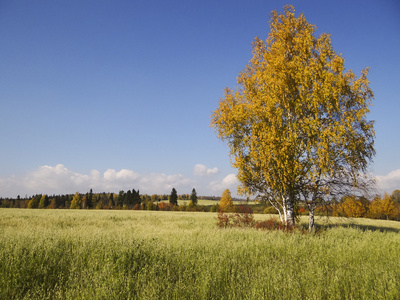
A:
<point x="386" y="207"/>
<point x="130" y="199"/>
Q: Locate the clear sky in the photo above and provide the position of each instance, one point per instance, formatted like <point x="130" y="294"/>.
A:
<point x="115" y="95"/>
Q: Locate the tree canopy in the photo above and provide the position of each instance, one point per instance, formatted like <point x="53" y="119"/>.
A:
<point x="226" y="200"/>
<point x="296" y="124"/>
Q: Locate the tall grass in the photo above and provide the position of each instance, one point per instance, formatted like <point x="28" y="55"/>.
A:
<point x="66" y="254"/>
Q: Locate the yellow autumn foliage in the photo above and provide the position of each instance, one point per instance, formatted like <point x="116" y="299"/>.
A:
<point x="296" y="116"/>
<point x="226" y="200"/>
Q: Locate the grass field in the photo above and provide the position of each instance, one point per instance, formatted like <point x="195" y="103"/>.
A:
<point x="208" y="202"/>
<point x="80" y="254"/>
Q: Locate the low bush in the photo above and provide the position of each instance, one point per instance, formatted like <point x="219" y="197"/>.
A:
<point x="243" y="217"/>
<point x="270" y="224"/>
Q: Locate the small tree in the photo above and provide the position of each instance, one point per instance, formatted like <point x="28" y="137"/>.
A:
<point x="150" y="205"/>
<point x="44" y="201"/>
<point x="34" y="202"/>
<point x="136" y="197"/>
<point x="53" y="204"/>
<point x="76" y="201"/>
<point x="396" y="196"/>
<point x="355" y="208"/>
<point x="111" y="200"/>
<point x="120" y="199"/>
<point x="384" y="208"/>
<point x="226" y="200"/>
<point x="89" y="199"/>
<point x="173" y="198"/>
<point x="193" y="197"/>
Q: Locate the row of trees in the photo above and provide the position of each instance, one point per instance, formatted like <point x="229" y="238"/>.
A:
<point x="386" y="207"/>
<point x="128" y="200"/>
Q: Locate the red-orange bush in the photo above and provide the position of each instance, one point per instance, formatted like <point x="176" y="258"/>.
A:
<point x="270" y="224"/>
<point x="243" y="217"/>
<point x="164" y="206"/>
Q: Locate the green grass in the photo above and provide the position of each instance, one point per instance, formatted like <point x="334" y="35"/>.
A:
<point x="76" y="254"/>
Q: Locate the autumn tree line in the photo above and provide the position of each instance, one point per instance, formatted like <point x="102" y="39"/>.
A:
<point x="130" y="199"/>
<point x="350" y="206"/>
<point x="385" y="208"/>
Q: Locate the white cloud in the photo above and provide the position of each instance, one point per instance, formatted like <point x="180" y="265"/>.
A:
<point x="162" y="184"/>
<point x="123" y="175"/>
<point x="55" y="178"/>
<point x="201" y="170"/>
<point x="61" y="180"/>
<point x="390" y="182"/>
<point x="228" y="182"/>
<point x="9" y="184"/>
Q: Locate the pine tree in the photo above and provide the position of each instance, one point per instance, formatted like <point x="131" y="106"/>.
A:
<point x="173" y="198"/>
<point x="193" y="197"/>
<point x="89" y="199"/>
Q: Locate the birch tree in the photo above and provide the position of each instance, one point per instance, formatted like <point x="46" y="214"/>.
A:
<point x="296" y="124"/>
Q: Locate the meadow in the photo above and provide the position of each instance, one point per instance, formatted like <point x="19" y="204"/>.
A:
<point x="208" y="202"/>
<point x="104" y="254"/>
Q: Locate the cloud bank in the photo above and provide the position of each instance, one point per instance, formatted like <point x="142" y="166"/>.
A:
<point x="390" y="182"/>
<point x="61" y="180"/>
<point x="229" y="182"/>
<point x="207" y="182"/>
<point x="201" y="170"/>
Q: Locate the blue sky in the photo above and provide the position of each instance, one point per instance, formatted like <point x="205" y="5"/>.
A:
<point x="117" y="95"/>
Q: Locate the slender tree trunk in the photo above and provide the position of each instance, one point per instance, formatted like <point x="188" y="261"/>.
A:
<point x="284" y="208"/>
<point x="278" y="210"/>
<point x="311" y="223"/>
<point x="289" y="213"/>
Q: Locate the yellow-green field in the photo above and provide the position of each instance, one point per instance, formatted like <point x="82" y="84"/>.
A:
<point x="207" y="202"/>
<point x="81" y="254"/>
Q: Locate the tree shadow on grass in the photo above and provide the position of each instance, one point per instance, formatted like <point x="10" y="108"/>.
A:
<point x="361" y="227"/>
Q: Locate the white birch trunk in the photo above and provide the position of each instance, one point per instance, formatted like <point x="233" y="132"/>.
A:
<point x="311" y="222"/>
<point x="278" y="209"/>
<point x="284" y="201"/>
<point x="289" y="213"/>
